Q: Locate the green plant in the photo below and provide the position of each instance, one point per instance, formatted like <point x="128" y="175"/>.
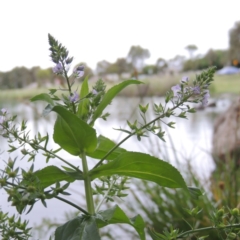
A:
<point x="75" y="134"/>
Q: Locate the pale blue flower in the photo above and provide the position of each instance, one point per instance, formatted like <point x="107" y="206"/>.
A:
<point x="184" y="79"/>
<point x="74" y="97"/>
<point x="205" y="98"/>
<point x="94" y="92"/>
<point x="176" y="89"/>
<point x="196" y="90"/>
<point x="79" y="71"/>
<point x="58" y="69"/>
<point x="4" y="111"/>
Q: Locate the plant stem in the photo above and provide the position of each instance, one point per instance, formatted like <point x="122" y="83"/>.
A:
<point x="207" y="228"/>
<point x="87" y="184"/>
<point x="133" y="133"/>
<point x="36" y="146"/>
<point x="59" y="198"/>
<point x="69" y="86"/>
<point x="105" y="195"/>
<point x="55" y="155"/>
<point x="72" y="204"/>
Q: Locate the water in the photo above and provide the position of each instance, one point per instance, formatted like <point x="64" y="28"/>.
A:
<point x="190" y="141"/>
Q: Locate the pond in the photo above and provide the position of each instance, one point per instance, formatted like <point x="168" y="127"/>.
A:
<point x="189" y="142"/>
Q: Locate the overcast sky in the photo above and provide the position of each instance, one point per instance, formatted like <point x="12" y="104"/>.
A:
<point x="95" y="30"/>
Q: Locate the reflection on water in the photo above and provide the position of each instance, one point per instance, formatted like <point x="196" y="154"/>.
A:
<point x="190" y="141"/>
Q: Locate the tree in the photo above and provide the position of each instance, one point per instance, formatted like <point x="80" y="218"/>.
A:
<point x="234" y="44"/>
<point x="102" y="67"/>
<point x="149" y="69"/>
<point x="176" y="64"/>
<point x="18" y="77"/>
<point x="43" y="76"/>
<point x="191" y="48"/>
<point x="119" y="67"/>
<point x="217" y="58"/>
<point x="161" y="65"/>
<point x="137" y="55"/>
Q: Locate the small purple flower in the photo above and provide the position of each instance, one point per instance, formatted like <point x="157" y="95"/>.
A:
<point x="4" y="111"/>
<point x="58" y="69"/>
<point x="74" y="97"/>
<point x="79" y="71"/>
<point x="205" y="98"/>
<point x="94" y="92"/>
<point x="176" y="89"/>
<point x="1" y="121"/>
<point x="184" y="79"/>
<point x="196" y="90"/>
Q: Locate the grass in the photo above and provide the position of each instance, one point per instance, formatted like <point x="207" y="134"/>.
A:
<point x="154" y="86"/>
<point x="226" y="84"/>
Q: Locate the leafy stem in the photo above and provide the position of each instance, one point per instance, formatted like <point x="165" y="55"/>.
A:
<point x="105" y="195"/>
<point x="208" y="228"/>
<point x="55" y="155"/>
<point x="143" y="127"/>
<point x="87" y="184"/>
<point x="57" y="197"/>
<point x="69" y="86"/>
<point x="36" y="146"/>
<point x="72" y="204"/>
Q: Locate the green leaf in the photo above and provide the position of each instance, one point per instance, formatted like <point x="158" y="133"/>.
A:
<point x="195" y="192"/>
<point x="51" y="174"/>
<point x="116" y="215"/>
<point x="82" y="106"/>
<point x="73" y="134"/>
<point x="43" y="97"/>
<point x="142" y="166"/>
<point x="156" y="236"/>
<point x="104" y="146"/>
<point x="108" y="97"/>
<point x="79" y="228"/>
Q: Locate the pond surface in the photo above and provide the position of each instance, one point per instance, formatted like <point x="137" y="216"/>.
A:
<point x="189" y="142"/>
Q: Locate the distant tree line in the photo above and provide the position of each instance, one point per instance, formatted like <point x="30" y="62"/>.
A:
<point x="21" y="77"/>
<point x="133" y="64"/>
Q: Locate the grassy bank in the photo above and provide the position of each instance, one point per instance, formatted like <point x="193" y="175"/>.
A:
<point x="154" y="86"/>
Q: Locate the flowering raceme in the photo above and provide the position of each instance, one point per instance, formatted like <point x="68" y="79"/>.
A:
<point x="196" y="90"/>
<point x="79" y="71"/>
<point x="205" y="98"/>
<point x="176" y="90"/>
<point x="199" y="91"/>
<point x="58" y="69"/>
<point x="74" y="97"/>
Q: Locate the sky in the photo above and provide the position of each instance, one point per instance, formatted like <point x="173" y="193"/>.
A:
<point x="96" y="30"/>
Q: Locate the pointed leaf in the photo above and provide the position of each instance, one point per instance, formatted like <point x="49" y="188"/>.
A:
<point x="73" y="134"/>
<point x="104" y="146"/>
<point x="82" y="106"/>
<point x="43" y="97"/>
<point x="143" y="166"/>
<point x="79" y="228"/>
<point x="116" y="215"/>
<point x="108" y="97"/>
<point x="195" y="192"/>
<point x="51" y="174"/>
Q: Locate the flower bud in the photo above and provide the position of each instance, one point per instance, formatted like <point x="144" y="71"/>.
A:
<point x="231" y="236"/>
<point x="220" y="213"/>
<point x="235" y="212"/>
